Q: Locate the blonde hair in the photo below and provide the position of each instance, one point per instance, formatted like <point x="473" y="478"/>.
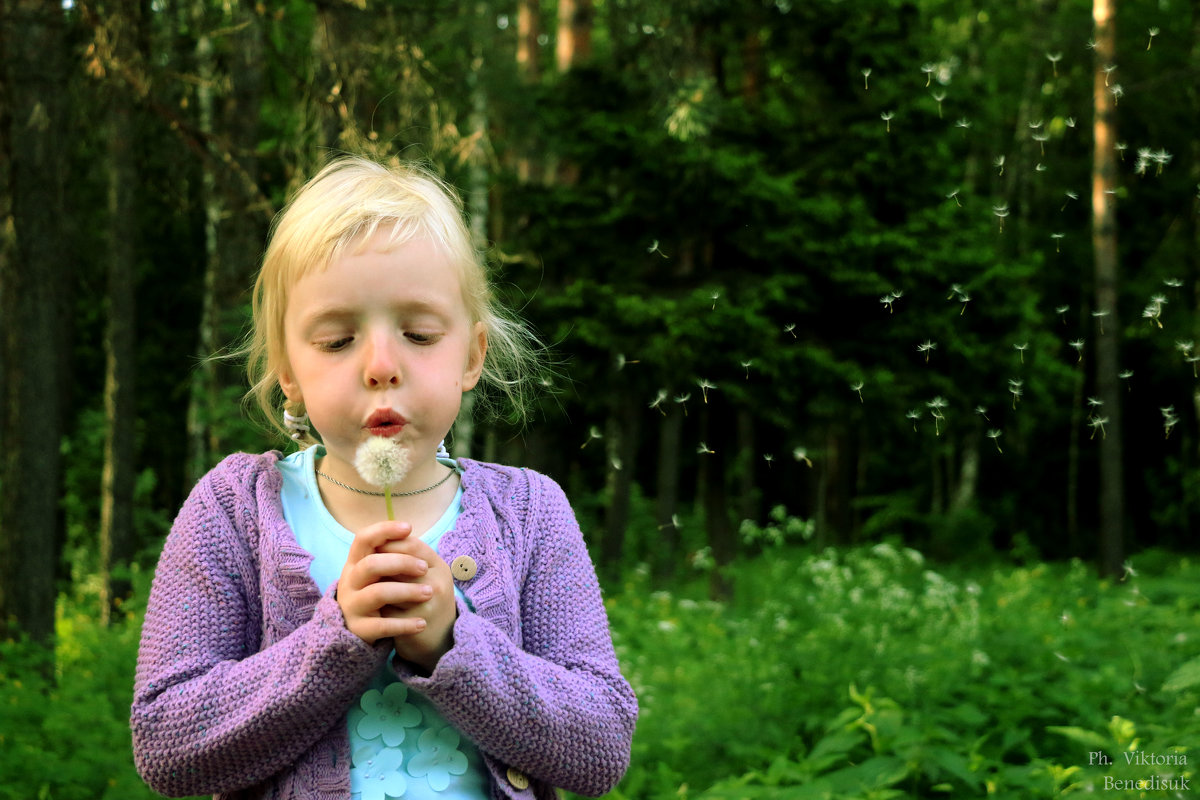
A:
<point x="342" y="207"/>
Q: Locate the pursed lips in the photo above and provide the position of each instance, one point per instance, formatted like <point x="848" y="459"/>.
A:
<point x="385" y="422"/>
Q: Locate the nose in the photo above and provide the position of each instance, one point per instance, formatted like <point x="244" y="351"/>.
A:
<point x="382" y="366"/>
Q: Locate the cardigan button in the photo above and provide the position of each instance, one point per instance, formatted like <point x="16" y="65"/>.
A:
<point x="464" y="568"/>
<point x="519" y="780"/>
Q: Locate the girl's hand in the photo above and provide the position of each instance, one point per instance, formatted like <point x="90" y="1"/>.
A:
<point x="431" y="619"/>
<point x="374" y="581"/>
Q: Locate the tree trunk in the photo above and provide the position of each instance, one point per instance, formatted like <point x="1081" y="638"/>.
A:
<point x="34" y="280"/>
<point x="714" y="495"/>
<point x="117" y="477"/>
<point x="670" y="439"/>
<point x="624" y="426"/>
<point x="574" y="42"/>
<point x="1104" y="245"/>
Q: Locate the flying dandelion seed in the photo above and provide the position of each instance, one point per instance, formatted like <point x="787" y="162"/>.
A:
<point x="658" y="400"/>
<point x="927" y="347"/>
<point x="1094" y="402"/>
<point x="935" y="410"/>
<point x="746" y="366"/>
<point x="1193" y="360"/>
<point x="1077" y="346"/>
<point x="887" y="117"/>
<point x="998" y="162"/>
<point x="1100" y="315"/>
<point x="621" y="361"/>
<point x="866" y="73"/>
<point x="682" y="399"/>
<point x="1108" y="70"/>
<point x="1033" y="126"/>
<point x="767" y="457"/>
<point x="593" y="433"/>
<point x="928" y="69"/>
<point x="703" y="450"/>
<point x="1170" y="420"/>
<point x="1161" y="158"/>
<point x="1125" y="375"/>
<point x="801" y="454"/>
<point x="981" y="411"/>
<point x="963" y="123"/>
<point x="1121" y="147"/>
<point x="1097" y="424"/>
<point x="1054" y="58"/>
<point x="1062" y="312"/>
<point x="791" y="328"/>
<point x="964" y="298"/>
<point x="994" y="435"/>
<point x="1117" y="91"/>
<point x="1184" y="347"/>
<point x="1039" y="167"/>
<point x="1015" y="388"/>
<point x="913" y="415"/>
<point x="1041" y="139"/>
<point x="1057" y="237"/>
<point x="1069" y="122"/>
<point x="715" y="297"/>
<point x="887" y="300"/>
<point x="954" y="196"/>
<point x="1152" y="32"/>
<point x="653" y="248"/>
<point x="705" y="386"/>
<point x="1070" y="196"/>
<point x="1153" y="311"/>
<point x="938" y="98"/>
<point x="1001" y="211"/>
<point x="1172" y="283"/>
<point x="1021" y="347"/>
<point x="858" y="387"/>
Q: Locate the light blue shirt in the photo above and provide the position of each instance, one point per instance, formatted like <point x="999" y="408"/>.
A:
<point x="400" y="746"/>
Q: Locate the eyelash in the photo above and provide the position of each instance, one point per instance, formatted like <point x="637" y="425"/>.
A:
<point x="335" y="345"/>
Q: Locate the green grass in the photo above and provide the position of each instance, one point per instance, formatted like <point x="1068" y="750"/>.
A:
<point x="855" y="674"/>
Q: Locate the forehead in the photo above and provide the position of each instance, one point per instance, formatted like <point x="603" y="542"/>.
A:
<point x="416" y="274"/>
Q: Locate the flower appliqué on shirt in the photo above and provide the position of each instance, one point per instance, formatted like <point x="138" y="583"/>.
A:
<point x="388" y="714"/>
<point x="376" y="775"/>
<point x="439" y="758"/>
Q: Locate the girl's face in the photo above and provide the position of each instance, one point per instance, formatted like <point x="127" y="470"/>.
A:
<point x="380" y="344"/>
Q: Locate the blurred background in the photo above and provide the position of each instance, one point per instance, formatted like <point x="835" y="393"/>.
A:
<point x="871" y="323"/>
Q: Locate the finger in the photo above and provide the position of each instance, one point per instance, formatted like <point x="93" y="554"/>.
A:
<point x="376" y="566"/>
<point x="371" y="538"/>
<point x="413" y="546"/>
<point x="401" y="594"/>
<point x="375" y="628"/>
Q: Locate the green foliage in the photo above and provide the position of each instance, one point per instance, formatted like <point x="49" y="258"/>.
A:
<point x="871" y="674"/>
<point x="64" y="721"/>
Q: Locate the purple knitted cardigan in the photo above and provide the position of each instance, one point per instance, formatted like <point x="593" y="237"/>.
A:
<point x="245" y="673"/>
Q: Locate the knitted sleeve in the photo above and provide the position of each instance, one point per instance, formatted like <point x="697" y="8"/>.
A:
<point x="216" y="707"/>
<point x="557" y="707"/>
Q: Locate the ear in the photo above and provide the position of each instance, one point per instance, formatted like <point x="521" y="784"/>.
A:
<point x="475" y="357"/>
<point x="291" y="389"/>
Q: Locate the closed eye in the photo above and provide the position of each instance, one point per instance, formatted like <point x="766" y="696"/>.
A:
<point x="417" y="337"/>
<point x="333" y="345"/>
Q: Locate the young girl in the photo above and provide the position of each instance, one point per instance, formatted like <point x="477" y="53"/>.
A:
<point x="297" y="643"/>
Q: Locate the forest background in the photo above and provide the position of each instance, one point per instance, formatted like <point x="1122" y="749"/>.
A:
<point x="835" y="291"/>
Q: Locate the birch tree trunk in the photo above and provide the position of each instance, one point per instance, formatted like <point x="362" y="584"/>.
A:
<point x="1104" y="244"/>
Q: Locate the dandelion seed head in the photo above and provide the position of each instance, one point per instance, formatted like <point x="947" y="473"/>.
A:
<point x="381" y="461"/>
